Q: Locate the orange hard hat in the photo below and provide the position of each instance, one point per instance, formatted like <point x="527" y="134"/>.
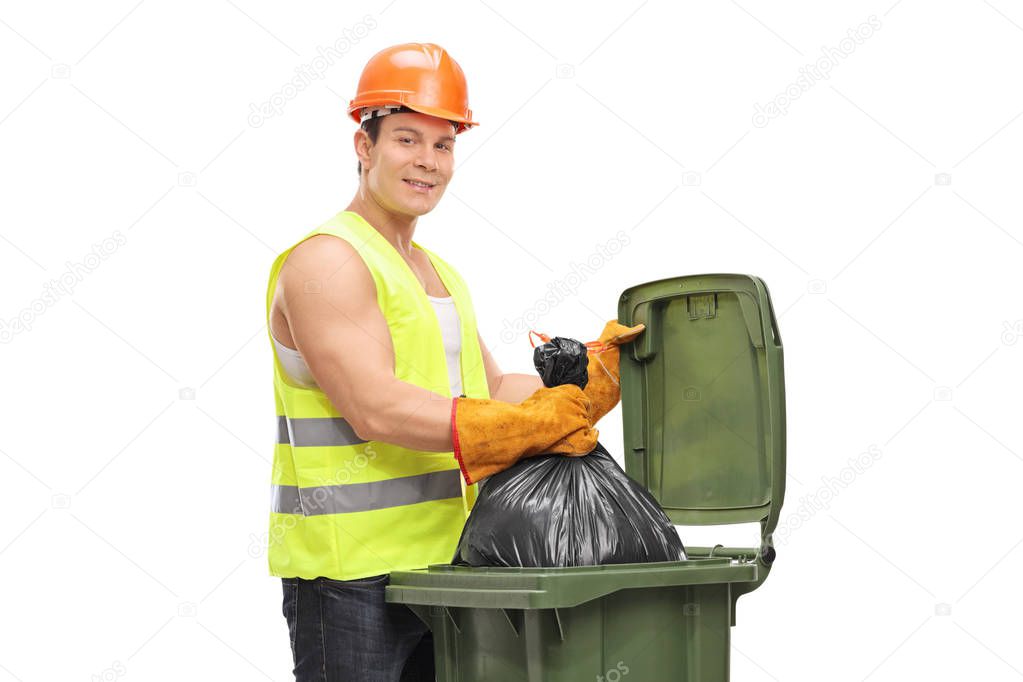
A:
<point x="418" y="76"/>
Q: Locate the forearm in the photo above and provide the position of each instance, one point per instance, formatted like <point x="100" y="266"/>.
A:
<point x="409" y="416"/>
<point x="514" y="388"/>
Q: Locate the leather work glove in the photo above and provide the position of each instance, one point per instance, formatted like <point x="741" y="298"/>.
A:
<point x="491" y="435"/>
<point x="602" y="387"/>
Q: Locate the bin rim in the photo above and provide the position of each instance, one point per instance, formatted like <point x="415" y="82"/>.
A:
<point x="556" y="587"/>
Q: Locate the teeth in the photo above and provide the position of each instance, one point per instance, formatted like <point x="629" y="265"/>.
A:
<point x="417" y="184"/>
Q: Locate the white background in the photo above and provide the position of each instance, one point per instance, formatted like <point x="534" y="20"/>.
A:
<point x="130" y="541"/>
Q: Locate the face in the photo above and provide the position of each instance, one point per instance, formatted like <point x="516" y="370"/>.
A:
<point x="410" y="146"/>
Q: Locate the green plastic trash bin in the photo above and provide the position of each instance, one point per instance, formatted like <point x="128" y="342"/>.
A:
<point x="703" y="405"/>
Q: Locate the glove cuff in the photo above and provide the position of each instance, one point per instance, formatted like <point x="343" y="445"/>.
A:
<point x="456" y="445"/>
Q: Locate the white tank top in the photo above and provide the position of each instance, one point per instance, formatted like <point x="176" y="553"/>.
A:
<point x="298" y="372"/>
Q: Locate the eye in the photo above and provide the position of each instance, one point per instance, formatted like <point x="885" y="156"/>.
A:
<point x="443" y="146"/>
<point x="405" y="138"/>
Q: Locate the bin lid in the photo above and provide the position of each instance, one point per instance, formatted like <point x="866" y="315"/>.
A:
<point x="703" y="399"/>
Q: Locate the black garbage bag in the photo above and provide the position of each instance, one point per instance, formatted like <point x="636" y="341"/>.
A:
<point x="561" y="361"/>
<point x="554" y="510"/>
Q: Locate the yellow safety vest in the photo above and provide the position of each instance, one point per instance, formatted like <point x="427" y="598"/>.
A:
<point x="345" y="508"/>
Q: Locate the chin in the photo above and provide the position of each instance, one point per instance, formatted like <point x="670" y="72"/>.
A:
<point x="420" y="207"/>
<point x="411" y="208"/>
<point x="419" y="210"/>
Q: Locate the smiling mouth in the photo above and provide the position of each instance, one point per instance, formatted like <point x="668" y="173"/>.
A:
<point x="420" y="185"/>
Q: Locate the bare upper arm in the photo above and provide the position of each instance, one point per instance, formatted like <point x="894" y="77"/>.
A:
<point x="330" y="302"/>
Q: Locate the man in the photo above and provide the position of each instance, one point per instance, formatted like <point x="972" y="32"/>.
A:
<point x="389" y="406"/>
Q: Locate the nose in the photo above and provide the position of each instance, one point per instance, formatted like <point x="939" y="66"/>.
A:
<point x="427" y="159"/>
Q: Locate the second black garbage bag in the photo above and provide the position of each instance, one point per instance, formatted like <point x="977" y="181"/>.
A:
<point x="555" y="510"/>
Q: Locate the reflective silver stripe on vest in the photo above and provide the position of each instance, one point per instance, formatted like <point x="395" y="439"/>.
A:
<point x="316" y="432"/>
<point x="357" y="497"/>
<point x="282" y="429"/>
<point x="284" y="499"/>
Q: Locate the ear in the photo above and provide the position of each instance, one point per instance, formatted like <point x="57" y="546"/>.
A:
<point x="362" y="146"/>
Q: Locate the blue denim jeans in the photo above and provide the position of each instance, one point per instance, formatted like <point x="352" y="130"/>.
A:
<point x="343" y="630"/>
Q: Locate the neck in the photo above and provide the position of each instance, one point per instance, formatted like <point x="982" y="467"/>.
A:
<point x="397" y="228"/>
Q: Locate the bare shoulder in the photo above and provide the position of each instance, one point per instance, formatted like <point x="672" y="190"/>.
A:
<point x="328" y="266"/>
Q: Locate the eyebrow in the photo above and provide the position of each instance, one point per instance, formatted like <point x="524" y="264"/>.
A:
<point x="417" y="132"/>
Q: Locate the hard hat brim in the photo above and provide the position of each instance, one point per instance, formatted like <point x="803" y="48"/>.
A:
<point x="465" y="122"/>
